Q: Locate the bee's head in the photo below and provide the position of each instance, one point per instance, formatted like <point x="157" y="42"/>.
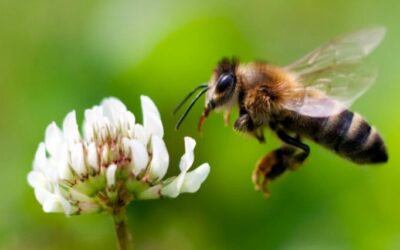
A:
<point x="220" y="90"/>
<point x="222" y="85"/>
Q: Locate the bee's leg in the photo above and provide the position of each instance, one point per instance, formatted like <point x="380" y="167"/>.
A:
<point x="227" y="116"/>
<point x="270" y="167"/>
<point x="259" y="135"/>
<point x="278" y="161"/>
<point x="297" y="158"/>
<point x="245" y="124"/>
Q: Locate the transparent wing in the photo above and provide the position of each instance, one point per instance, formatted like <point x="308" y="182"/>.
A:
<point x="335" y="71"/>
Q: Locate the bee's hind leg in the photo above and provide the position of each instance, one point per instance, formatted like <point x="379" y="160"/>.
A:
<point x="296" y="158"/>
<point x="278" y="161"/>
<point x="270" y="167"/>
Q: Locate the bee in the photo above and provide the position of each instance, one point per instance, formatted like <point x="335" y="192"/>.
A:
<point x="306" y="99"/>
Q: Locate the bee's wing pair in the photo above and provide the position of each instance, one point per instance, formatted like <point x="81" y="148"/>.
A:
<point x="338" y="71"/>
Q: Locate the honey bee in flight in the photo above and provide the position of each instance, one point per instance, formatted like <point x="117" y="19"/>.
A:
<point x="306" y="99"/>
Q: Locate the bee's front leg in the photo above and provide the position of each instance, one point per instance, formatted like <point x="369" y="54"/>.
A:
<point x="244" y="123"/>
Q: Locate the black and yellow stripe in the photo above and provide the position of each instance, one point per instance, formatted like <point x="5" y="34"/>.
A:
<point x="347" y="133"/>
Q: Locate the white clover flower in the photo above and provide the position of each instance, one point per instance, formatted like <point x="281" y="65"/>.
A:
<point x="115" y="162"/>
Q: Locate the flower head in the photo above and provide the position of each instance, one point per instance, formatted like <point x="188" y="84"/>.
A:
<point x="115" y="161"/>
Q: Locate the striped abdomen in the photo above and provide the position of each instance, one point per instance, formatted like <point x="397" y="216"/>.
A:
<point x="347" y="133"/>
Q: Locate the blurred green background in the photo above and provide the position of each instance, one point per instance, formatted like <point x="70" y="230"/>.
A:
<point x="56" y="56"/>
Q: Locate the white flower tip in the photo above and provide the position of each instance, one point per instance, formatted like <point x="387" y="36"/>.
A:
<point x="188" y="158"/>
<point x="51" y="127"/>
<point x="110" y="175"/>
<point x="53" y="138"/>
<point x="151" y="117"/>
<point x="195" y="178"/>
<point x="113" y="101"/>
<point x="78" y="158"/>
<point x="52" y="130"/>
<point x="53" y="205"/>
<point x="36" y="179"/>
<point x="39" y="161"/>
<point x="70" y="119"/>
<point x="204" y="170"/>
<point x="190" y="143"/>
<point x="31" y="178"/>
<point x="149" y="106"/>
<point x="130" y="119"/>
<point x="172" y="189"/>
<point x="139" y="155"/>
<point x="114" y="110"/>
<point x="105" y="157"/>
<point x="159" y="163"/>
<point x="70" y="128"/>
<point x="92" y="156"/>
<point x="141" y="134"/>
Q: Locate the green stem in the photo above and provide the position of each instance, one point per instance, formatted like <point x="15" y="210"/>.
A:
<point x="121" y="228"/>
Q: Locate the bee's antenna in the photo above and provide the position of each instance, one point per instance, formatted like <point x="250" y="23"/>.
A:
<point x="201" y="86"/>
<point x="190" y="107"/>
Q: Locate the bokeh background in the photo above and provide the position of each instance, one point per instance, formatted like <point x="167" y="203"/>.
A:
<point x="56" y="56"/>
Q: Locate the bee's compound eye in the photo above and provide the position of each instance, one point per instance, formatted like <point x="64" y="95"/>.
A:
<point x="225" y="81"/>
